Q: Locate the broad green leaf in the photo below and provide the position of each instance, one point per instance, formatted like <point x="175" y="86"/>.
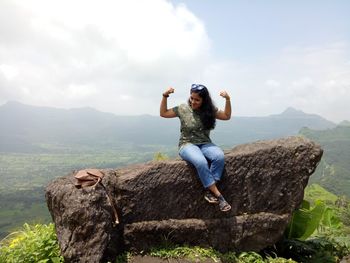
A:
<point x="316" y="215"/>
<point x="299" y="221"/>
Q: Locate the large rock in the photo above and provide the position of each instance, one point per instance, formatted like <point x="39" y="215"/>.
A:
<point x="161" y="202"/>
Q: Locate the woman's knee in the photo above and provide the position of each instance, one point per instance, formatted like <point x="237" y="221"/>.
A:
<point x="219" y="157"/>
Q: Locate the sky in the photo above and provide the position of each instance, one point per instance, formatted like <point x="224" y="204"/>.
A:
<point x="120" y="56"/>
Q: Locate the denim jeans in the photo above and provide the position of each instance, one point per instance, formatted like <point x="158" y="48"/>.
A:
<point x="199" y="155"/>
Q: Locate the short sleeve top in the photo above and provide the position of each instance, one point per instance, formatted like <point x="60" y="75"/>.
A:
<point x="192" y="129"/>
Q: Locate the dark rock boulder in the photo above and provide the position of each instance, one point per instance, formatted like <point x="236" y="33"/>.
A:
<point x="161" y="202"/>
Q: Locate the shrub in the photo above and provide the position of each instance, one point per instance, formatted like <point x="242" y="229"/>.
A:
<point x="37" y="243"/>
<point x="158" y="156"/>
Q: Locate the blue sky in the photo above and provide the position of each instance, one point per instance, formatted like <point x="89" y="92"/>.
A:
<point x="119" y="56"/>
<point x="249" y="29"/>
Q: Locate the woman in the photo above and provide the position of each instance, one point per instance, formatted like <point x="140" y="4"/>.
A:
<point x="197" y="118"/>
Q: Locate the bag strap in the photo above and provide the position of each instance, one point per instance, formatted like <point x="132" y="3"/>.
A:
<point x="91" y="177"/>
<point x="112" y="204"/>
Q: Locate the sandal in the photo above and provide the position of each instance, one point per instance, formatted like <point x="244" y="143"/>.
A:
<point x="211" y="198"/>
<point x="224" y="206"/>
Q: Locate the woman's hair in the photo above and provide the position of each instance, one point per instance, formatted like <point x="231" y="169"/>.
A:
<point x="207" y="110"/>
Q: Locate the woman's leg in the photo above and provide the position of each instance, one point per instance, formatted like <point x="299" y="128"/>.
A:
<point x="214" y="190"/>
<point x="193" y="154"/>
<point x="216" y="157"/>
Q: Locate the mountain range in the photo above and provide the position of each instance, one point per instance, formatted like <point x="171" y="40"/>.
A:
<point x="26" y="128"/>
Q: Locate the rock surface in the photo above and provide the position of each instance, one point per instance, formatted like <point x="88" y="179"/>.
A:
<point x="160" y="202"/>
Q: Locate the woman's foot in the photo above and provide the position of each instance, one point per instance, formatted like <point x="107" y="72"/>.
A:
<point x="210" y="197"/>
<point x="224" y="206"/>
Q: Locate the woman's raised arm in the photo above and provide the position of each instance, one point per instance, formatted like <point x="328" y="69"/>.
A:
<point x="164" y="111"/>
<point x="226" y="114"/>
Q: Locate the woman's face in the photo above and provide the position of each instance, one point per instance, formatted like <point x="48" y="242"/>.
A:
<point x="196" y="101"/>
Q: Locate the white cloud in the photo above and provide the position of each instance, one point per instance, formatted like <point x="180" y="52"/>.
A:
<point x="9" y="72"/>
<point x="78" y="53"/>
<point x="125" y="97"/>
<point x="272" y="83"/>
<point x="119" y="56"/>
<point x="314" y="79"/>
<point x="79" y="91"/>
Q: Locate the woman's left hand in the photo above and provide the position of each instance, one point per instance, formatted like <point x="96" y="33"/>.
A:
<point x="225" y="95"/>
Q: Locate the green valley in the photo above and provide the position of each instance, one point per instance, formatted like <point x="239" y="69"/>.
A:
<point x="333" y="172"/>
<point x="25" y="175"/>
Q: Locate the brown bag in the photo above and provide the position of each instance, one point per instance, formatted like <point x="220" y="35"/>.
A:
<point x="91" y="177"/>
<point x="88" y="177"/>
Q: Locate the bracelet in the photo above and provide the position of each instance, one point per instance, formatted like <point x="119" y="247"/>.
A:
<point x="165" y="96"/>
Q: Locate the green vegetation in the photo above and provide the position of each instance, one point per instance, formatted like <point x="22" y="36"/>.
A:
<point x="316" y="192"/>
<point x="192" y="253"/>
<point x="317" y="232"/>
<point x="198" y="254"/>
<point x="158" y="156"/>
<point x="21" y="206"/>
<point x="333" y="172"/>
<point x="36" y="243"/>
<point x="305" y="220"/>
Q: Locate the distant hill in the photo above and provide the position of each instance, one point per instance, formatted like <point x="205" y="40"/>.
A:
<point x="246" y="129"/>
<point x="333" y="172"/>
<point x="29" y="129"/>
<point x="344" y="123"/>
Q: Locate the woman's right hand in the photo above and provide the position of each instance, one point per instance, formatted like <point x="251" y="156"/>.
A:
<point x="169" y="91"/>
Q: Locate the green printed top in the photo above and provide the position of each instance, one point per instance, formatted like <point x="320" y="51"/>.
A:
<point x="192" y="130"/>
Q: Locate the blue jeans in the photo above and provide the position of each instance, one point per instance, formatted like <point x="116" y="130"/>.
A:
<point x="199" y="155"/>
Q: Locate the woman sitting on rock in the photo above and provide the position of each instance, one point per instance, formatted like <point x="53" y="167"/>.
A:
<point x="198" y="117"/>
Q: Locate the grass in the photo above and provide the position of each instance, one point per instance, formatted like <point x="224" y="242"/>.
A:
<point x="199" y="254"/>
<point x="191" y="253"/>
<point x="38" y="243"/>
<point x="317" y="192"/>
<point x="33" y="243"/>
